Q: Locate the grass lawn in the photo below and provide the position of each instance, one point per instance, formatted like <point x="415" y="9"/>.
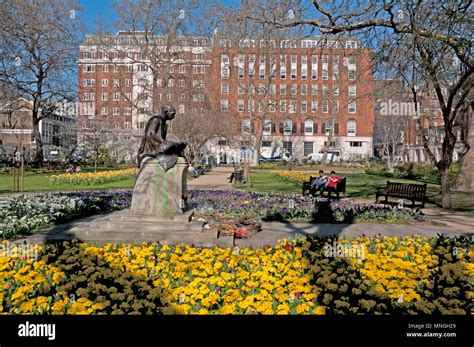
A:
<point x="359" y="186"/>
<point x="40" y="182"/>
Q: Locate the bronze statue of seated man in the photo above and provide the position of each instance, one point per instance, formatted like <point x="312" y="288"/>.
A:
<point x="154" y="143"/>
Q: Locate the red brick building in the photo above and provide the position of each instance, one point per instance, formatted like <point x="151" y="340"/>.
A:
<point x="306" y="94"/>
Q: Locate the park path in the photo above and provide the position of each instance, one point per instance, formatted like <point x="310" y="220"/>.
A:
<point x="216" y="179"/>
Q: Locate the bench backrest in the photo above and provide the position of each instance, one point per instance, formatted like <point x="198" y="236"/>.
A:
<point x="406" y="189"/>
<point x="341" y="185"/>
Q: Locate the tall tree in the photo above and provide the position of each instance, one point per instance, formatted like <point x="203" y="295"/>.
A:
<point x="39" y="43"/>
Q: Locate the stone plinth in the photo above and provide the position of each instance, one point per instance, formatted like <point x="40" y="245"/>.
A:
<point x="158" y="193"/>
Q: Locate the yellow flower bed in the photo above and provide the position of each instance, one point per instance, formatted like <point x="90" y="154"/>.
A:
<point x="191" y="280"/>
<point x="397" y="266"/>
<point x="295" y="176"/>
<point x="222" y="280"/>
<point x="90" y="178"/>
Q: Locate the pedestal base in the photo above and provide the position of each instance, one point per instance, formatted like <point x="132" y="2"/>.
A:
<point x="159" y="193"/>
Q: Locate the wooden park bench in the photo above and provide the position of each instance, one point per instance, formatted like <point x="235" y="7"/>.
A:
<point x="409" y="191"/>
<point x="340" y="187"/>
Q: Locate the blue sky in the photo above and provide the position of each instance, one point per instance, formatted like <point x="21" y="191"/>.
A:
<point x="94" y="9"/>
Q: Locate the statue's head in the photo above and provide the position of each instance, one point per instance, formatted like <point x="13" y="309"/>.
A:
<point x="168" y="111"/>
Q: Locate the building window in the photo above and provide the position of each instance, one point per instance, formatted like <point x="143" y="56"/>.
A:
<point x="88" y="83"/>
<point x="304" y="106"/>
<point x="325" y="67"/>
<point x="240" y="105"/>
<point x="282" y="89"/>
<point x="251" y="65"/>
<point x="241" y="66"/>
<point x="199" y="69"/>
<point x="308" y="127"/>
<point x="304" y="89"/>
<point x="128" y="96"/>
<point x="267" y="128"/>
<point x="292" y="108"/>
<point x="288" y="147"/>
<point x="199" y="97"/>
<point x="273" y="89"/>
<point x="325" y="90"/>
<point x="116" y="83"/>
<point x="294" y="89"/>
<point x="351" y="44"/>
<point x="307" y="148"/>
<point x="198" y="84"/>
<point x="352" y="107"/>
<point x="314" y="89"/>
<point x="351" y="127"/>
<point x="182" y="96"/>
<point x="314" y="106"/>
<point x="225" y="66"/>
<point x="251" y="105"/>
<point x="314" y="67"/>
<point x="240" y="89"/>
<point x="105" y="68"/>
<point x="88" y="96"/>
<point x="282" y="105"/>
<point x="288" y="127"/>
<point x="128" y="111"/>
<point x="335" y="67"/>
<point x="199" y="56"/>
<point x="335" y="90"/>
<point x="272" y="106"/>
<point x="355" y="143"/>
<point x="116" y="111"/>
<point x="224" y="88"/>
<point x="304" y="67"/>
<point x="88" y="68"/>
<point x="246" y="126"/>
<point x="283" y="67"/>
<point x="104" y="111"/>
<point x="105" y="96"/>
<point x="261" y="68"/>
<point x="335" y="106"/>
<point x="128" y="82"/>
<point x="117" y="96"/>
<point x="325" y="106"/>
<point x="351" y="67"/>
<point x="294" y="62"/>
<point x="266" y="143"/>
<point x="224" y="105"/>
<point x="128" y="68"/>
<point x="352" y="90"/>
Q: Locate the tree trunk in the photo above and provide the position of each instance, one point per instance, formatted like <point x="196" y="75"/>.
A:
<point x="39" y="145"/>
<point x="446" y="202"/>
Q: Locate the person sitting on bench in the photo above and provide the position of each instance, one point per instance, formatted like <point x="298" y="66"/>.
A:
<point x="333" y="181"/>
<point x="232" y="175"/>
<point x="319" y="184"/>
